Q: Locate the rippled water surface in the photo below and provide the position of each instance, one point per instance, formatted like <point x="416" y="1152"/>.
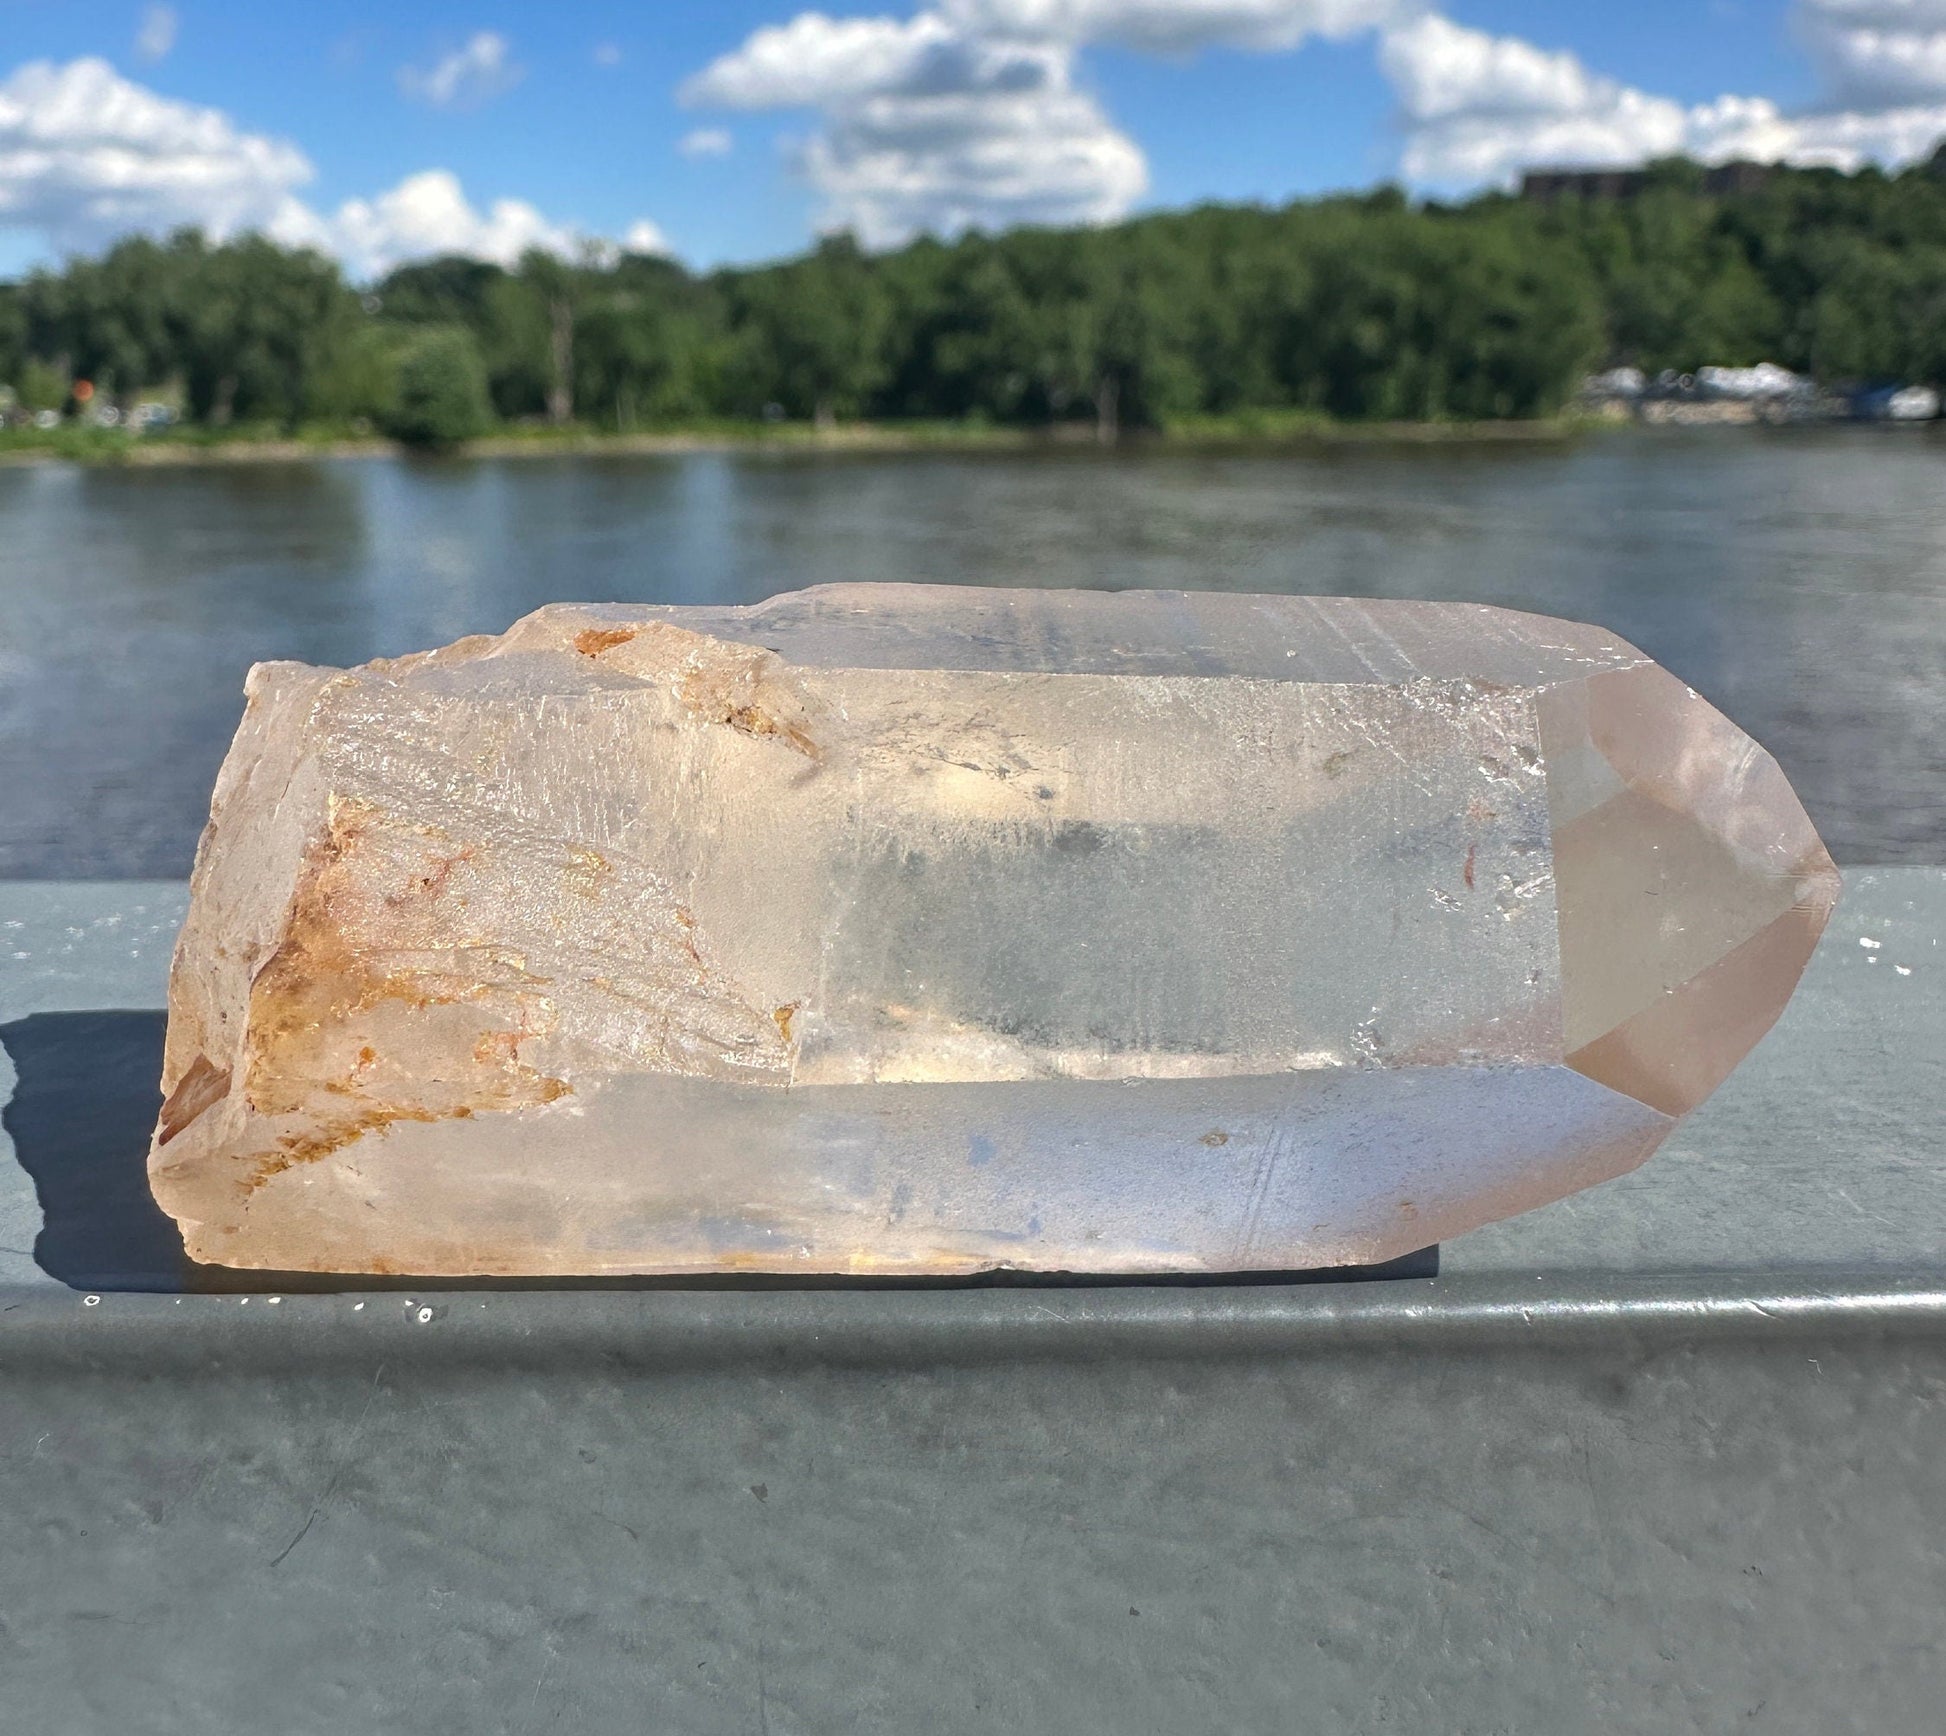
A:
<point x="1796" y="579"/>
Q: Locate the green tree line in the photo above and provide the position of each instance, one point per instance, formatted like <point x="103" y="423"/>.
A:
<point x="1357" y="307"/>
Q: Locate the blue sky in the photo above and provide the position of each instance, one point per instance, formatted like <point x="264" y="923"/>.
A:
<point x="734" y="131"/>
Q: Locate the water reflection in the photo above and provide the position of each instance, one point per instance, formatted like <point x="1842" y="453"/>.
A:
<point x="1796" y="580"/>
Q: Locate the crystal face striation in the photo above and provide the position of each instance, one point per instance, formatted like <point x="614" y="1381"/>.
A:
<point x="901" y="929"/>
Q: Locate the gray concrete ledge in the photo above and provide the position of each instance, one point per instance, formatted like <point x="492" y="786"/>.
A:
<point x="560" y="1331"/>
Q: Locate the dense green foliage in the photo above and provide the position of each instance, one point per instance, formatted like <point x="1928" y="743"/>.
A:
<point x="440" y="398"/>
<point x="1356" y="307"/>
<point x="245" y="331"/>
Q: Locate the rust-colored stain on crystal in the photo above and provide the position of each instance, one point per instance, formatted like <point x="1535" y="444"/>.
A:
<point x="202" y="1087"/>
<point x="783" y="1015"/>
<point x="754" y="720"/>
<point x="1466" y="874"/>
<point x="296" y="1148"/>
<point x="332" y="1136"/>
<point x="709" y="695"/>
<point x="588" y="871"/>
<point x="315" y="998"/>
<point x="593" y="641"/>
<point x="741" y="686"/>
<point x="686" y="921"/>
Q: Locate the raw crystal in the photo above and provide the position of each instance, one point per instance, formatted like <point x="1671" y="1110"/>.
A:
<point x="911" y="930"/>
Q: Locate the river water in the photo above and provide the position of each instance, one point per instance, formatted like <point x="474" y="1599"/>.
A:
<point x="1797" y="578"/>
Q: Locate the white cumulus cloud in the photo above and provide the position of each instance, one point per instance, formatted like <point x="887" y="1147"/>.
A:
<point x="1179" y="26"/>
<point x="896" y="166"/>
<point x="816" y="60"/>
<point x="932" y="126"/>
<point x="1479" y="109"/>
<point x="427" y="213"/>
<point x="157" y="34"/>
<point x="1754" y="129"/>
<point x="478" y="70"/>
<point x="1875" y="63"/>
<point x="86" y="155"/>
<point x="1877" y="53"/>
<point x="969" y="113"/>
<point x="706" y="142"/>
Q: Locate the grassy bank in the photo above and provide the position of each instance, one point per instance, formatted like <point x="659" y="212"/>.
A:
<point x="1249" y="429"/>
<point x="83" y="444"/>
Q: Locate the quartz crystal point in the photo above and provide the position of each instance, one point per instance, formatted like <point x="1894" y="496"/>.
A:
<point x="901" y="929"/>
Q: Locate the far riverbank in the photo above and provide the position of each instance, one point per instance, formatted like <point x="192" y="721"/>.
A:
<point x="1266" y="429"/>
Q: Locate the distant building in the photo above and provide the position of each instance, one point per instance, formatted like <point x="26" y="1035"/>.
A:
<point x="1547" y="185"/>
<point x="1733" y="178"/>
<point x="1720" y="179"/>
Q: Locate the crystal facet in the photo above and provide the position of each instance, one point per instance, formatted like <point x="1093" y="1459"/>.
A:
<point x="913" y="930"/>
